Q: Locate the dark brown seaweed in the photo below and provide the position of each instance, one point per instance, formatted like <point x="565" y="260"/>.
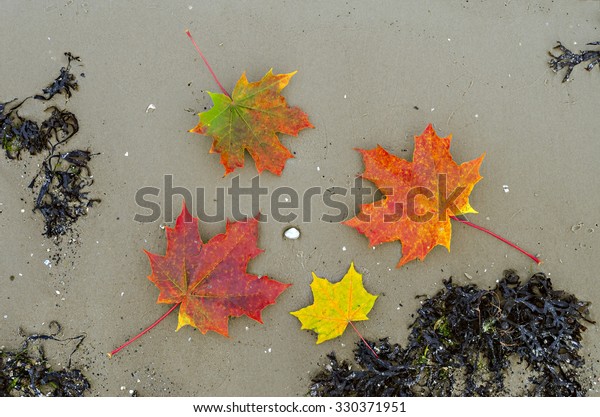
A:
<point x="569" y="60"/>
<point x="26" y="372"/>
<point x="464" y="342"/>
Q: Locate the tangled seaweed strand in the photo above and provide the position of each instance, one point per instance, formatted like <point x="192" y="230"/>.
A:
<point x="570" y="60"/>
<point x="27" y="374"/>
<point x="19" y="134"/>
<point x="64" y="83"/>
<point x="62" y="198"/>
<point x="61" y="195"/>
<point x="462" y="342"/>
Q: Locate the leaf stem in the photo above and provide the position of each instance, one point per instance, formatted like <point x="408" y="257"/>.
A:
<point x="489" y="232"/>
<point x="363" y="339"/>
<point x="207" y="64"/>
<point x="124" y="345"/>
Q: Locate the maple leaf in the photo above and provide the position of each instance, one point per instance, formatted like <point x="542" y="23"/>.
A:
<point x="419" y="197"/>
<point x="249" y="120"/>
<point x="336" y="305"/>
<point x="209" y="280"/>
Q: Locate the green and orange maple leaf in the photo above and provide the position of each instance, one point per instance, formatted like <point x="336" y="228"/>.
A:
<point x="209" y="281"/>
<point x="419" y="197"/>
<point x="249" y="120"/>
<point x="336" y="305"/>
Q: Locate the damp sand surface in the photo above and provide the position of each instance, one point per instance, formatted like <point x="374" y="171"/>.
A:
<point x="367" y="75"/>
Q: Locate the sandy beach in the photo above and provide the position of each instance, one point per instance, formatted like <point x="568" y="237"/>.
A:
<point x="368" y="74"/>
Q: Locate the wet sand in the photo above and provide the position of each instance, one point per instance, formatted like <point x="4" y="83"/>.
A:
<point x="367" y="75"/>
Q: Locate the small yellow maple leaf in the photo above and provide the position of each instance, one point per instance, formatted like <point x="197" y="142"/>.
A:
<point x="336" y="305"/>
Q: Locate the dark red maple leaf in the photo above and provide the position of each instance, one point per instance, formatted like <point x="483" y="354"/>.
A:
<point x="209" y="280"/>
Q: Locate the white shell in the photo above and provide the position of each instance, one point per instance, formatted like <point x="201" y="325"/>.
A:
<point x="292" y="233"/>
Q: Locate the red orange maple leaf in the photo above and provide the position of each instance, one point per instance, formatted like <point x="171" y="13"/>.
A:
<point x="419" y="197"/>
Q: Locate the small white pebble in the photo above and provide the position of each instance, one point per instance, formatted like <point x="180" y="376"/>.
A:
<point x="476" y="116"/>
<point x="5" y="316"/>
<point x="151" y="107"/>
<point x="189" y="339"/>
<point x="122" y="387"/>
<point x="122" y="294"/>
<point x="344" y="95"/>
<point x="57" y="292"/>
<point x="247" y="328"/>
<point x="22" y="210"/>
<point x="292" y="233"/>
<point x="344" y="248"/>
<point x="505" y="188"/>
<point x="48" y="263"/>
<point x="449" y="39"/>
<point x="318" y="168"/>
<point x="269" y="350"/>
<point x="190" y="7"/>
<point x="433" y="108"/>
<point x="131" y="391"/>
<point x="126" y="153"/>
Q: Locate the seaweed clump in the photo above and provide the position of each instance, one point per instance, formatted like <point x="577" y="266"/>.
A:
<point x="26" y="372"/>
<point x="64" y="83"/>
<point x="61" y="195"/>
<point x="19" y="134"/>
<point x="465" y="340"/>
<point x="568" y="59"/>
